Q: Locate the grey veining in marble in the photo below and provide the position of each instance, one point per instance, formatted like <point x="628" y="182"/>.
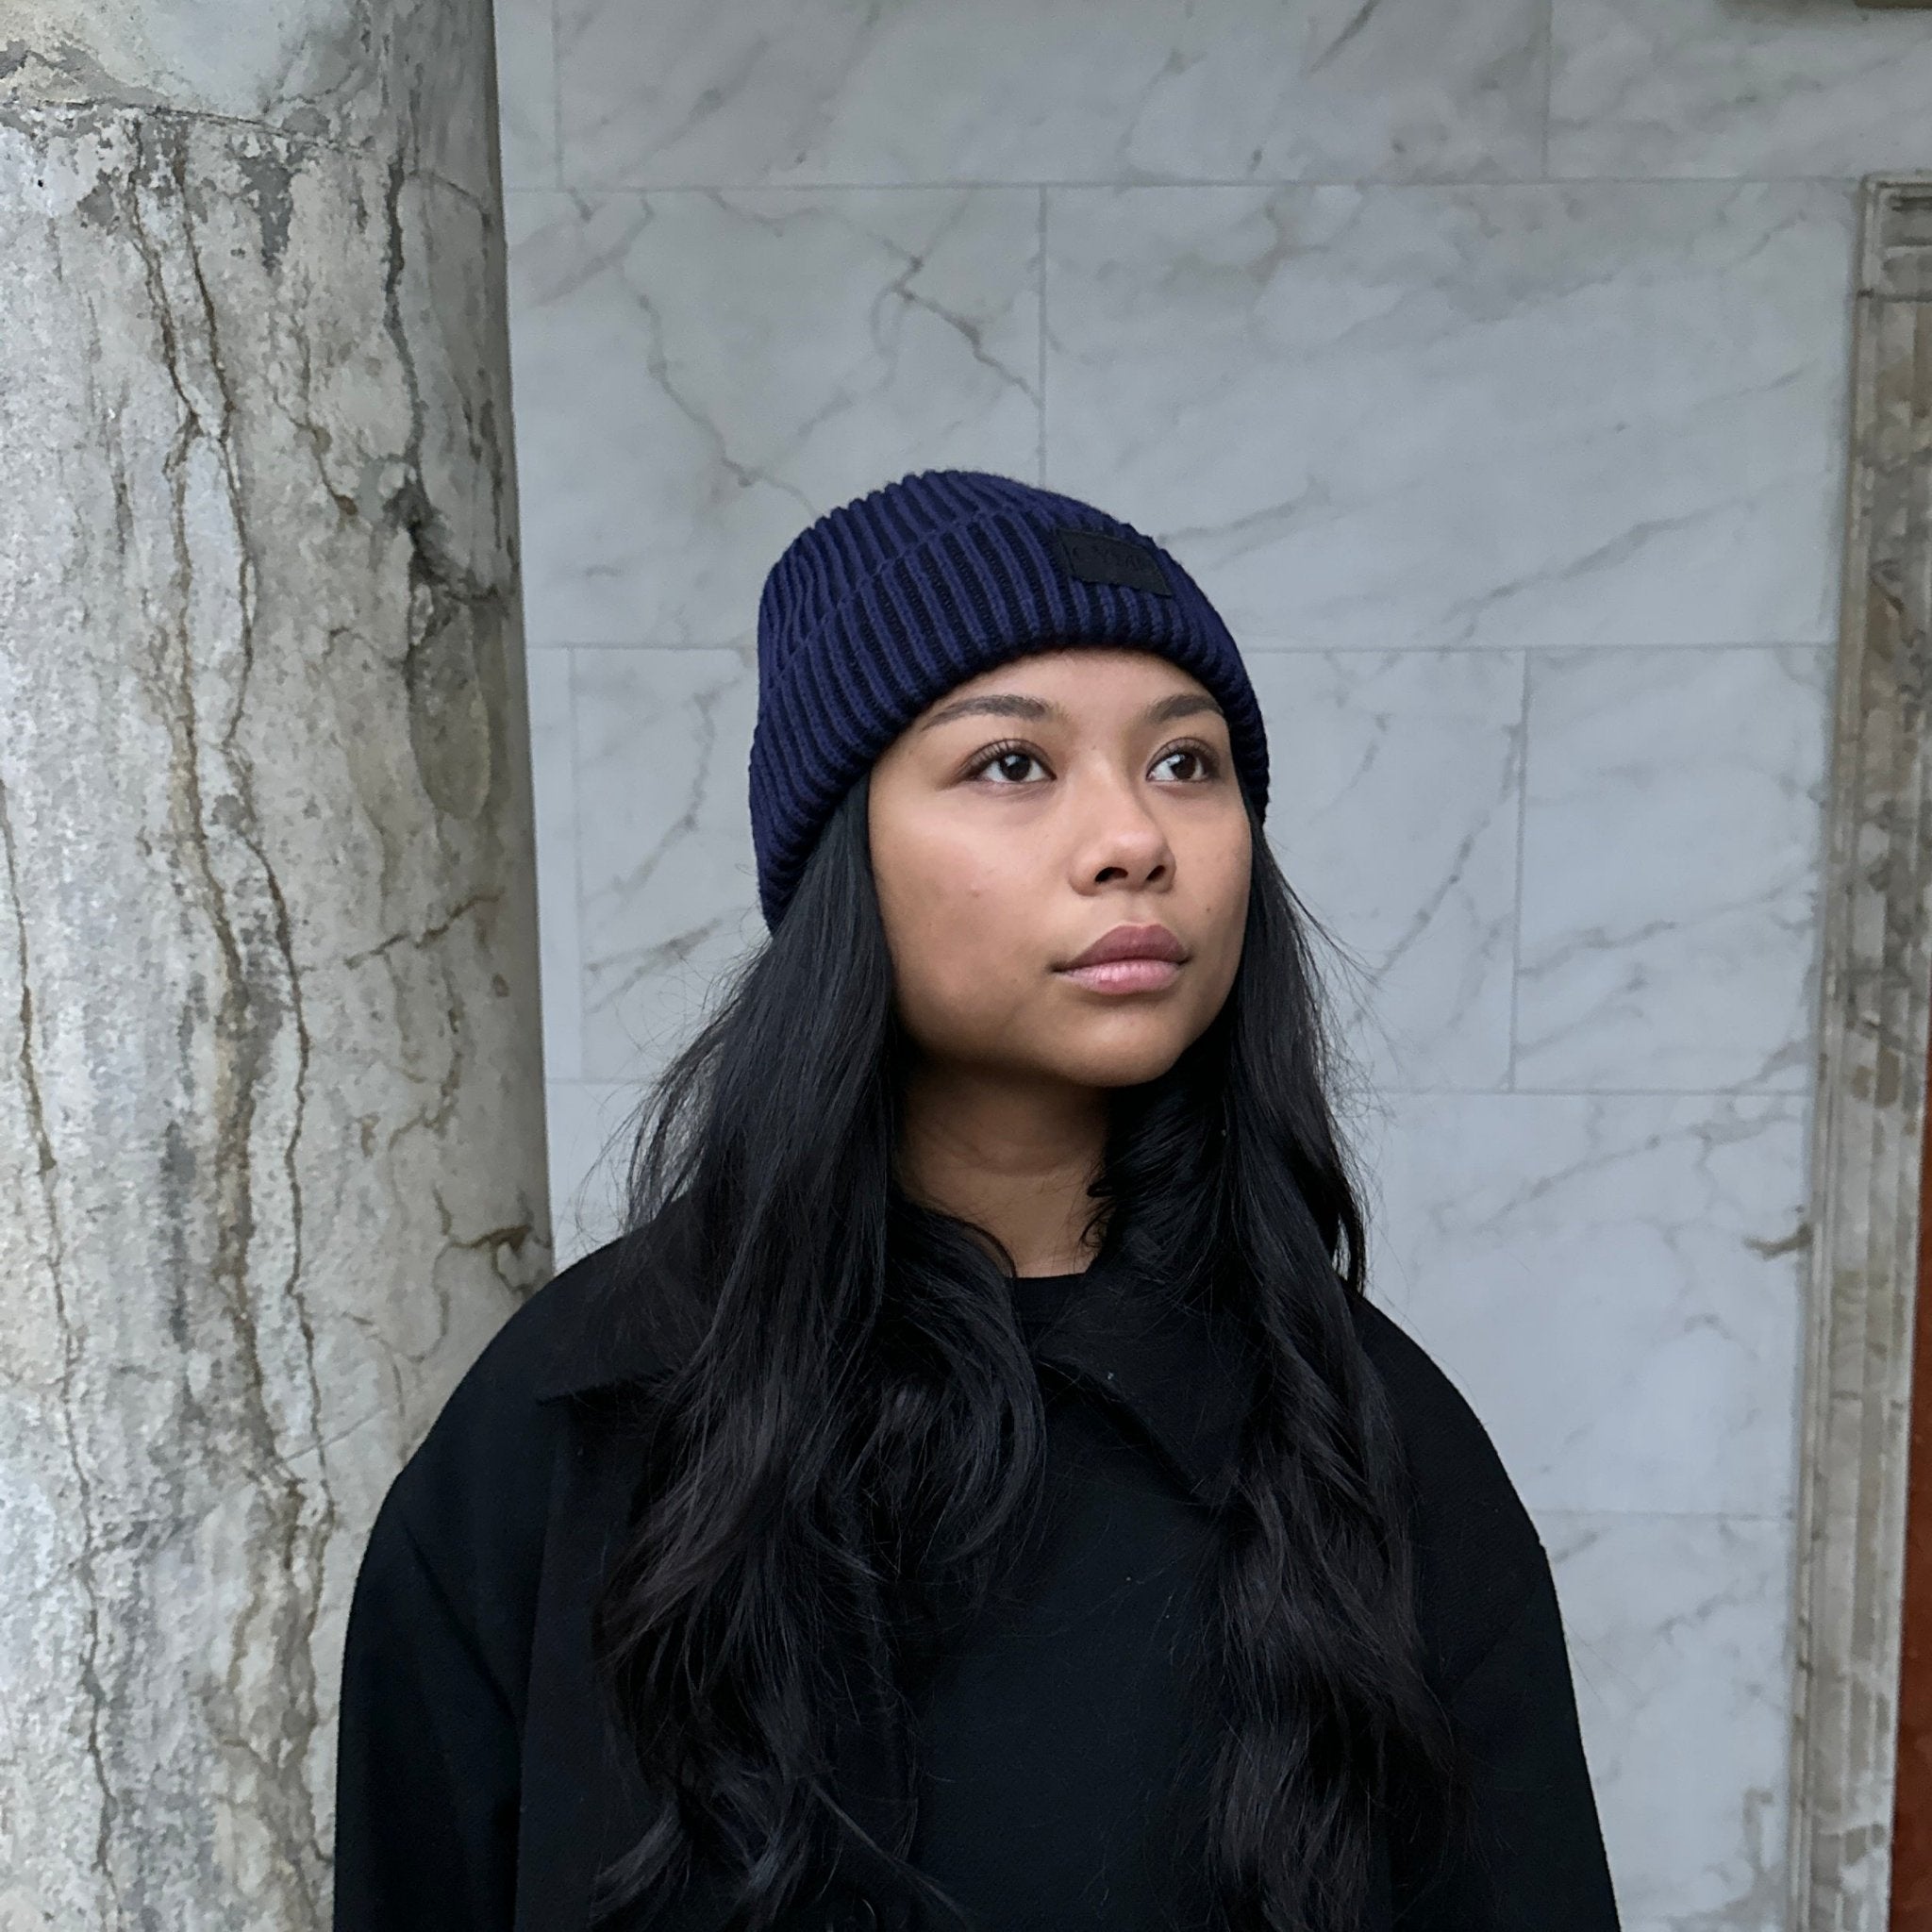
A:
<point x="1677" y="1626"/>
<point x="1672" y="831"/>
<point x="1614" y="1280"/>
<point x="272" y="1160"/>
<point x="526" y="91"/>
<point x="1417" y="756"/>
<point x="1390" y="418"/>
<point x="669" y="897"/>
<point x="1717" y="88"/>
<point x="781" y="93"/>
<point x="757" y="357"/>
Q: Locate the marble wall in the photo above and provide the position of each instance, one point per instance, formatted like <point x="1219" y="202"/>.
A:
<point x="1488" y="361"/>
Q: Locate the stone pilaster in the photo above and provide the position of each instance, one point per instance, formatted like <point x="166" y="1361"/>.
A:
<point x="272" y="1146"/>
<point x="1870" y="1119"/>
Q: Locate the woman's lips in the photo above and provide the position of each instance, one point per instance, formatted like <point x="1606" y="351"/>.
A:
<point x="1129" y="959"/>
<point x="1125" y="976"/>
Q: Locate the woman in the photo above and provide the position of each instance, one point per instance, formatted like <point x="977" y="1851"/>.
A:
<point x="974" y="1491"/>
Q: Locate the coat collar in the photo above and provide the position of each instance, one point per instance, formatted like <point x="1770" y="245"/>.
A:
<point x="1177" y="1371"/>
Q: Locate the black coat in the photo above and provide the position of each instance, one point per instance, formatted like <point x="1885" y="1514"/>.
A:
<point x="480" y="1785"/>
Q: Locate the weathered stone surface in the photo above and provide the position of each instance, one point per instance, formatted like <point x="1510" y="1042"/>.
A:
<point x="1870" y="1115"/>
<point x="271" y="1128"/>
<point x="408" y="79"/>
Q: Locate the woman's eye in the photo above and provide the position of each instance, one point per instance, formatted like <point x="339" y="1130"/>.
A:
<point x="1207" y="764"/>
<point x="1007" y="765"/>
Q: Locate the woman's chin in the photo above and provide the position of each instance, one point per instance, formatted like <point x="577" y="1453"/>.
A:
<point x="1121" y="1057"/>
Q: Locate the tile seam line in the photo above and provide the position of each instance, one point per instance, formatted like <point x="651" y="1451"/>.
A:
<point x="1795" y="1096"/>
<point x="1791" y="1096"/>
<point x="1537" y="652"/>
<point x="1023" y="184"/>
<point x="1572" y="1509"/>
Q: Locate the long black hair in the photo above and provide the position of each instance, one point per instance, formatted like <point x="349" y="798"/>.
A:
<point x="852" y="1447"/>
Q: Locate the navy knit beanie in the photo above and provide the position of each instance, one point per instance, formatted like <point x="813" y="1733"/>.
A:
<point x="885" y="604"/>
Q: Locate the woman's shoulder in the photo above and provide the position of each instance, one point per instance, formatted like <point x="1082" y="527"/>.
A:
<point x="472" y="1496"/>
<point x="1479" y="1556"/>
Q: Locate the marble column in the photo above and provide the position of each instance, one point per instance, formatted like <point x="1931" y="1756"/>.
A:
<point x="272" y="1143"/>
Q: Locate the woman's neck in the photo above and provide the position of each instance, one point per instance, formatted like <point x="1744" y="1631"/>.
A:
<point x="1013" y="1157"/>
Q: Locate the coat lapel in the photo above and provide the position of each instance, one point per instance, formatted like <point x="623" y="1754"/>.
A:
<point x="1179" y="1373"/>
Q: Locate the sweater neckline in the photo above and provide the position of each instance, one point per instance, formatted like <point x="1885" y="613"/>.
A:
<point x="1040" y="1299"/>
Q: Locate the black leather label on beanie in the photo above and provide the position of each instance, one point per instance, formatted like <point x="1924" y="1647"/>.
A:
<point x="1095" y="557"/>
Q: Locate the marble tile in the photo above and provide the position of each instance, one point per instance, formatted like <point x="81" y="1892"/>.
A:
<point x="591" y="1124"/>
<point x="1614" y="1282"/>
<point x="1673" y="832"/>
<point x="1395" y="778"/>
<point x="814" y="91"/>
<point x="699" y="376"/>
<point x="1678" y="1629"/>
<point x="669" y="894"/>
<point x="1712" y="87"/>
<point x="1506" y="416"/>
<point x="527" y="93"/>
<point x="553" y="772"/>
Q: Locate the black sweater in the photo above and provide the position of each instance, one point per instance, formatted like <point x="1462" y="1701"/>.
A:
<point x="479" y="1780"/>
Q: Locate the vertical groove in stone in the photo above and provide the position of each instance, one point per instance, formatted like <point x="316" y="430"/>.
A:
<point x="272" y="1144"/>
<point x="1869" y="1116"/>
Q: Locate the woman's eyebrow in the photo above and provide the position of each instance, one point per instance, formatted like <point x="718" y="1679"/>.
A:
<point x="1002" y="704"/>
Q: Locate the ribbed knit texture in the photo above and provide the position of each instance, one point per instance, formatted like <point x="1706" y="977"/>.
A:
<point x="883" y="605"/>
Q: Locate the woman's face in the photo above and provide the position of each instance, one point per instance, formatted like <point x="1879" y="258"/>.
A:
<point x="1024" y="817"/>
